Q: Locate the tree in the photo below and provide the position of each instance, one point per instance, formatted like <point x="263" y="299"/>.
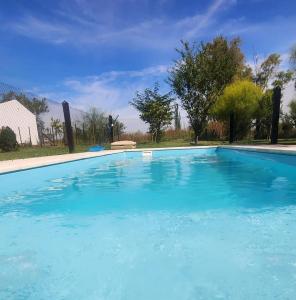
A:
<point x="239" y="100"/>
<point x="292" y="111"/>
<point x="177" y="117"/>
<point x="264" y="115"/>
<point x="201" y="74"/>
<point x="96" y="124"/>
<point x="266" y="71"/>
<point x="286" y="126"/>
<point x="7" y="139"/>
<point x="268" y="75"/>
<point x="57" y="127"/>
<point x="155" y="109"/>
<point x="119" y="128"/>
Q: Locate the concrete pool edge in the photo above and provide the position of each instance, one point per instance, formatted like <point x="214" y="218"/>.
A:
<point x="9" y="166"/>
<point x="273" y="149"/>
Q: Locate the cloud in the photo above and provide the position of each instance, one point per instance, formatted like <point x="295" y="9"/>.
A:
<point x="199" y="22"/>
<point x="111" y="92"/>
<point x="78" y="25"/>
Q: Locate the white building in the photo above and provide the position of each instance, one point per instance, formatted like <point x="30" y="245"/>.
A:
<point x="14" y="115"/>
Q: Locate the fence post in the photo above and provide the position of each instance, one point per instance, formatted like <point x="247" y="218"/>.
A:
<point x="111" y="128"/>
<point x="276" y="103"/>
<point x="68" y="126"/>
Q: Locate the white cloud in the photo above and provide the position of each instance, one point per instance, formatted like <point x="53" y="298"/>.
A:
<point x="111" y="92"/>
<point x="79" y="26"/>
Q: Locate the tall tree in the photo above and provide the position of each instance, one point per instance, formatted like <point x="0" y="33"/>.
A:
<point x="177" y="117"/>
<point x="155" y="109"/>
<point x="292" y="111"/>
<point x="201" y="74"/>
<point x="238" y="104"/>
<point x="266" y="71"/>
<point x="268" y="75"/>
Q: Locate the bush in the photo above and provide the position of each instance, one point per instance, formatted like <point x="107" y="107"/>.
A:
<point x="7" y="140"/>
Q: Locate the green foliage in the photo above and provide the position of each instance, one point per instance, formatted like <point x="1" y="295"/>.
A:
<point x="266" y="70"/>
<point x="7" y="140"/>
<point x="57" y="126"/>
<point x="268" y="73"/>
<point x="292" y="112"/>
<point x="36" y="106"/>
<point x="155" y="109"/>
<point x="201" y="74"/>
<point x="286" y="127"/>
<point x="282" y="78"/>
<point x="96" y="125"/>
<point x="240" y="99"/>
<point x="264" y="115"/>
<point x="119" y="128"/>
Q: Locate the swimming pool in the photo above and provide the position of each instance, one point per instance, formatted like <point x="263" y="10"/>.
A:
<point x="180" y="224"/>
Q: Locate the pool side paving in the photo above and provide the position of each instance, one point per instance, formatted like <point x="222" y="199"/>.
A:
<point x="28" y="163"/>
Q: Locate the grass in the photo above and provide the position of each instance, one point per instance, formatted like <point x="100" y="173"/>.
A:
<point x="27" y="152"/>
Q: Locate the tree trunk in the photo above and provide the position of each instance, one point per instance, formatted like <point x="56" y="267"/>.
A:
<point x="195" y="136"/>
<point x="157" y="136"/>
<point x="257" y="129"/>
<point x="231" y="128"/>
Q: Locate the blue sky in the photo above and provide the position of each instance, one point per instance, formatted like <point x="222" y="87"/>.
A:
<point x="100" y="52"/>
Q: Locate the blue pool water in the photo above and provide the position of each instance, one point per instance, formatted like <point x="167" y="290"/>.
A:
<point x="184" y="224"/>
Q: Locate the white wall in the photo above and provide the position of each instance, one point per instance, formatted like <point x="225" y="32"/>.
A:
<point x="19" y="119"/>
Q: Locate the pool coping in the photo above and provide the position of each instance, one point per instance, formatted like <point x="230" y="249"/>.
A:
<point x="276" y="149"/>
<point x="10" y="166"/>
<point x="16" y="165"/>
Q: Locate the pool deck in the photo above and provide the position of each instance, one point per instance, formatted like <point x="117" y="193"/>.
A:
<point x="28" y="163"/>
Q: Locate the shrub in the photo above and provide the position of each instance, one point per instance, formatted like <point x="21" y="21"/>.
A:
<point x="7" y="140"/>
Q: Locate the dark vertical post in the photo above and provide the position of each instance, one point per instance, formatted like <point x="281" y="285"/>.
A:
<point x="111" y="128"/>
<point x="276" y="105"/>
<point x="64" y="134"/>
<point x="231" y="128"/>
<point x="68" y="126"/>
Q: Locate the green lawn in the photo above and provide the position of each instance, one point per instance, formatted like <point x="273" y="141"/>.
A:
<point x="45" y="151"/>
<point x="38" y="151"/>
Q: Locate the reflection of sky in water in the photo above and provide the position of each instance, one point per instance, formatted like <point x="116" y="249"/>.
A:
<point x="175" y="226"/>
